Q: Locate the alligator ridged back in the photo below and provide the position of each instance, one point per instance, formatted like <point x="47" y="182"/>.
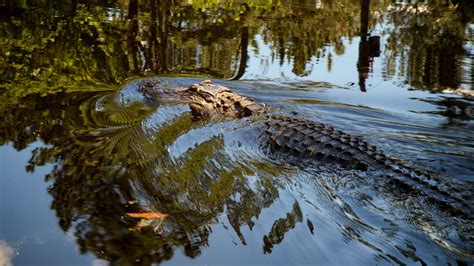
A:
<point x="323" y="144"/>
<point x="317" y="142"/>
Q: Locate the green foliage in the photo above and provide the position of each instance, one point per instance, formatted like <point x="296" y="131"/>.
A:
<point x="68" y="47"/>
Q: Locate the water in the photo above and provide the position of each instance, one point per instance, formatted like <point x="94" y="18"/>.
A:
<point x="80" y="148"/>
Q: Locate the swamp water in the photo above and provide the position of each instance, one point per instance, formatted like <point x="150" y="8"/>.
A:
<point x="81" y="150"/>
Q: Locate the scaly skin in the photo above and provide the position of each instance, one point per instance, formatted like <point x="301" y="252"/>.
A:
<point x="309" y="140"/>
<point x="322" y="144"/>
<point x="205" y="99"/>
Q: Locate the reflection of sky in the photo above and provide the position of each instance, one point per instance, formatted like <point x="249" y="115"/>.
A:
<point x="381" y="93"/>
<point x="27" y="223"/>
<point x="262" y="66"/>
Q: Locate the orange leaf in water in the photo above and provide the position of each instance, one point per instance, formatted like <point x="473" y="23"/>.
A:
<point x="147" y="215"/>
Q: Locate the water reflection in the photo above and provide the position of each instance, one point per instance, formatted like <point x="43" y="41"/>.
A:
<point x="458" y="111"/>
<point x="369" y="46"/>
<point x="280" y="227"/>
<point x="114" y="154"/>
<point x="429" y="39"/>
<point x="127" y="156"/>
<point x="423" y="44"/>
<point x="104" y="170"/>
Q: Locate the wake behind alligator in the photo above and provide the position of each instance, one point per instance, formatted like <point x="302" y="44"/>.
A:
<point x="303" y="141"/>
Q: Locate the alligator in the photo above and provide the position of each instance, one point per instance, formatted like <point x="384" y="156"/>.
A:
<point x="311" y="141"/>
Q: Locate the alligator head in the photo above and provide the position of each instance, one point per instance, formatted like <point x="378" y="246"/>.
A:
<point x="207" y="100"/>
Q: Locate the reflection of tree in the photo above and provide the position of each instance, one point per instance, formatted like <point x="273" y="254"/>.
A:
<point x="49" y="47"/>
<point x="363" y="62"/>
<point x="106" y="166"/>
<point x="281" y="226"/>
<point x="99" y="43"/>
<point x="456" y="110"/>
<point x="132" y="41"/>
<point x="428" y="40"/>
<point x="369" y="46"/>
<point x="301" y="31"/>
<point x="244" y="42"/>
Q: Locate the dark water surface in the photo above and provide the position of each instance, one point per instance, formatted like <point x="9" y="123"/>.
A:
<point x="80" y="148"/>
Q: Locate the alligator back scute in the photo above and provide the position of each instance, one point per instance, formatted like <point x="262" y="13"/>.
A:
<point x="323" y="143"/>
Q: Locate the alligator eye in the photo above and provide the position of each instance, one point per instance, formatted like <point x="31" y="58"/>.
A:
<point x="207" y="97"/>
<point x="193" y="88"/>
<point x="196" y="108"/>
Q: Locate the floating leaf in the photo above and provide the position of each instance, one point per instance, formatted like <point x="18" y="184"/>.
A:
<point x="147" y="215"/>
